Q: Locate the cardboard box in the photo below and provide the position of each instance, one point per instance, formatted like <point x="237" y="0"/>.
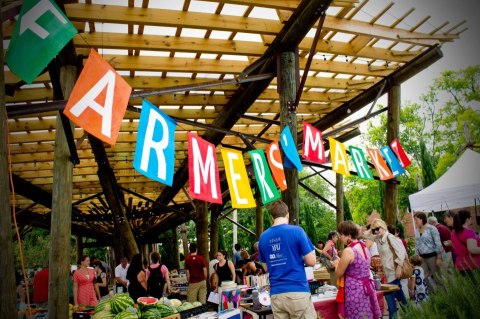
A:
<point x="174" y="316"/>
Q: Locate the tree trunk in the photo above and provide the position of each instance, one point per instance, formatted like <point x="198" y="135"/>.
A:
<point x="183" y="235"/>
<point x="176" y="257"/>
<point x="59" y="260"/>
<point x="202" y="228"/>
<point x="339" y="197"/>
<point x="214" y="230"/>
<point x="288" y="87"/>
<point x="8" y="295"/>
<point x="258" y="217"/>
<point x="393" y="125"/>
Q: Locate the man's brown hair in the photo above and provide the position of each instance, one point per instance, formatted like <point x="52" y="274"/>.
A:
<point x="278" y="209"/>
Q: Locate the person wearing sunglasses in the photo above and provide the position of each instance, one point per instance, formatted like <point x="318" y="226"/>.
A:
<point x="388" y="245"/>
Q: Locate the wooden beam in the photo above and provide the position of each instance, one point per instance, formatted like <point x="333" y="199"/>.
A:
<point x="418" y="64"/>
<point x="127" y="245"/>
<point x="294" y="30"/>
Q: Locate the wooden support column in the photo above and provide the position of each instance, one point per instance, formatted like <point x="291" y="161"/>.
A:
<point x="176" y="252"/>
<point x="79" y="243"/>
<point x="201" y="224"/>
<point x="288" y="117"/>
<point x="183" y="234"/>
<point x="393" y="126"/>
<point x="125" y="244"/>
<point x="60" y="229"/>
<point x="214" y="230"/>
<point x="258" y="217"/>
<point x="339" y="198"/>
<point x="8" y="295"/>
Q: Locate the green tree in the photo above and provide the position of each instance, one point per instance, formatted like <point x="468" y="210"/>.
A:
<point x="428" y="172"/>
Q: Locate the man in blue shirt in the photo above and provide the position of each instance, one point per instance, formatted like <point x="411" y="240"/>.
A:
<point x="286" y="249"/>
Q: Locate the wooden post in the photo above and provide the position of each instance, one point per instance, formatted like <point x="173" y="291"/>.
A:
<point x="183" y="234"/>
<point x="288" y="88"/>
<point x="339" y="197"/>
<point x="202" y="228"/>
<point x="79" y="243"/>
<point x="59" y="259"/>
<point x="258" y="217"/>
<point x="8" y="295"/>
<point x="393" y="125"/>
<point x="176" y="252"/>
<point x="214" y="230"/>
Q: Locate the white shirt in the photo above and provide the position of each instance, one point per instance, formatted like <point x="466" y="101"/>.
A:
<point x="122" y="272"/>
<point x="212" y="263"/>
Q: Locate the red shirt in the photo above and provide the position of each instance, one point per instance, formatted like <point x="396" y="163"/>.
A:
<point x="195" y="264"/>
<point x="445" y="234"/>
<point x="40" y="286"/>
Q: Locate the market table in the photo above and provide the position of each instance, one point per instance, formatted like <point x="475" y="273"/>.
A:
<point x="328" y="307"/>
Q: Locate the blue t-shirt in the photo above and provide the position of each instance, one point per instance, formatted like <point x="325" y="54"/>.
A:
<point x="282" y="247"/>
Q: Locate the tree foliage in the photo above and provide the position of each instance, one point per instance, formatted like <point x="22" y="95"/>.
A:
<point x="451" y="102"/>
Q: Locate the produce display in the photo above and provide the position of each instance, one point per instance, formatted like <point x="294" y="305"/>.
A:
<point x="122" y="306"/>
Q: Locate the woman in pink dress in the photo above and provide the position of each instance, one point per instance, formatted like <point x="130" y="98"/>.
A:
<point x="84" y="284"/>
<point x="465" y="244"/>
<point x="360" y="296"/>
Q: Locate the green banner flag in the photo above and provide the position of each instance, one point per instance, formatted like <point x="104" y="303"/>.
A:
<point x="41" y="31"/>
<point x="268" y="190"/>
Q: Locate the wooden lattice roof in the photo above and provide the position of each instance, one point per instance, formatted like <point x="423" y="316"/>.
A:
<point x="157" y="45"/>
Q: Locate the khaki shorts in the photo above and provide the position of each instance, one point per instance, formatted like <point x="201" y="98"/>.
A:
<point x="197" y="292"/>
<point x="294" y="305"/>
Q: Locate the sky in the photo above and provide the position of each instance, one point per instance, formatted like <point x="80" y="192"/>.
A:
<point x="459" y="54"/>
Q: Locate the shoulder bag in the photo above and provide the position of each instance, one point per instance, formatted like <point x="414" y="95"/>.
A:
<point x="407" y="269"/>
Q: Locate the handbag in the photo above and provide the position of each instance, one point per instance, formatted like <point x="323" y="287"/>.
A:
<point x="407" y="270"/>
<point x="329" y="265"/>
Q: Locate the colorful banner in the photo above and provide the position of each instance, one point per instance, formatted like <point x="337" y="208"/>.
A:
<point x="392" y="161"/>
<point x="401" y="155"/>
<point x="291" y="160"/>
<point x="203" y="170"/>
<point x="268" y="190"/>
<point x="338" y="154"/>
<point x="313" y="149"/>
<point x="276" y="166"/>
<point x="381" y="167"/>
<point x="155" y="152"/>
<point x="237" y="178"/>
<point x="99" y="90"/>
<point x="41" y="31"/>
<point x="360" y="163"/>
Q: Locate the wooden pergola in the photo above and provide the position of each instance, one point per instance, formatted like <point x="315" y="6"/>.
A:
<point x="212" y="66"/>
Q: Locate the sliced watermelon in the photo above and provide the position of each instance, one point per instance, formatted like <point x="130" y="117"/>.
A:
<point x="145" y="303"/>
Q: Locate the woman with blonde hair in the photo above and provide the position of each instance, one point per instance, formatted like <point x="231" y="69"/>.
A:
<point x="392" y="254"/>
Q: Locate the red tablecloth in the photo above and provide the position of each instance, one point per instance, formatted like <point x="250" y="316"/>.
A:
<point x="328" y="308"/>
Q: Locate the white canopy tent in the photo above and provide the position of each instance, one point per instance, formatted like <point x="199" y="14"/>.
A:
<point x="459" y="187"/>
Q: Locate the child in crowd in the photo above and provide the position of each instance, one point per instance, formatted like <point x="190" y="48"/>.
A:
<point x="417" y="286"/>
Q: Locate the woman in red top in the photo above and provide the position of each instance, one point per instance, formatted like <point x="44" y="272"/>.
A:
<point x="465" y="244"/>
<point x="84" y="284"/>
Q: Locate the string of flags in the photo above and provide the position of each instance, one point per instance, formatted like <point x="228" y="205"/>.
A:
<point x="99" y="101"/>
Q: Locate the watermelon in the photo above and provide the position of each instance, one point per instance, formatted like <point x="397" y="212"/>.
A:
<point x="165" y="310"/>
<point x="126" y="315"/>
<point x="145" y="303"/>
<point x="103" y="315"/>
<point x="197" y="304"/>
<point x="103" y="305"/>
<point x="152" y="313"/>
<point x="120" y="302"/>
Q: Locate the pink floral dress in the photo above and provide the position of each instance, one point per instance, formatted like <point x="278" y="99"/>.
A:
<point x="360" y="296"/>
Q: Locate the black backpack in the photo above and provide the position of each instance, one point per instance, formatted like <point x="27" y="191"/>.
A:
<point x="155" y="282"/>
